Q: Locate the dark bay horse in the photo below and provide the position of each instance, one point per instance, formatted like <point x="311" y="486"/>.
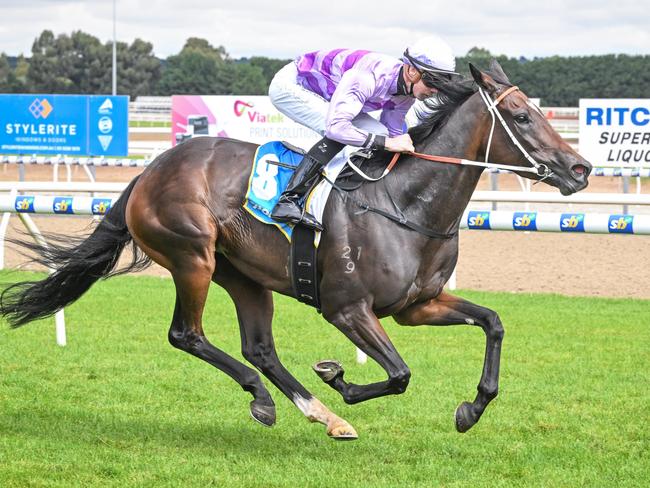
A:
<point x="185" y="213"/>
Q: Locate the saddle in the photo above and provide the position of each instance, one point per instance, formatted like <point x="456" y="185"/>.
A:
<point x="273" y="166"/>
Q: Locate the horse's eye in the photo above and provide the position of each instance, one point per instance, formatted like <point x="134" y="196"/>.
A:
<point x="522" y="118"/>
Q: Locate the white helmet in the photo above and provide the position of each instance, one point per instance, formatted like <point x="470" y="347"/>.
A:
<point x="431" y="55"/>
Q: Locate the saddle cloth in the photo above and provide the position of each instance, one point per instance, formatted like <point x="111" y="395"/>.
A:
<point x="272" y="168"/>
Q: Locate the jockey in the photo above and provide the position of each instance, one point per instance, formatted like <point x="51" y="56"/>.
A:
<point x="331" y="92"/>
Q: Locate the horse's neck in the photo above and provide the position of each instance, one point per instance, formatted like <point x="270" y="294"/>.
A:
<point x="438" y="193"/>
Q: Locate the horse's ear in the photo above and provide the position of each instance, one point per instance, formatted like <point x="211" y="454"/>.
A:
<point x="483" y="80"/>
<point x="497" y="71"/>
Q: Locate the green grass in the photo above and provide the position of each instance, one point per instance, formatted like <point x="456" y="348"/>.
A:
<point x="120" y="407"/>
<point x="149" y="123"/>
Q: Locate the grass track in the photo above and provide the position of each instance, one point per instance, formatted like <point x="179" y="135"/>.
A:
<point x="120" y="407"/>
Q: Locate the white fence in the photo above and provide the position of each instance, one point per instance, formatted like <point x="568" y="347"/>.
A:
<point x="24" y="205"/>
<point x="589" y="223"/>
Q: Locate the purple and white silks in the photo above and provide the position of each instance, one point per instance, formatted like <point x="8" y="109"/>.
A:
<point x="354" y="82"/>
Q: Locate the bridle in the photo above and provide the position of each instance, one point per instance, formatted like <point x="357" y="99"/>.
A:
<point x="541" y="169"/>
<point x="537" y="168"/>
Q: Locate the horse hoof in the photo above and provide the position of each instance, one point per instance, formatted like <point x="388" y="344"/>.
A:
<point x="328" y="370"/>
<point x="343" y="432"/>
<point x="465" y="418"/>
<point x="264" y="414"/>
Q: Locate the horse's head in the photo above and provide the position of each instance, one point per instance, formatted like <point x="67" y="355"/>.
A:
<point x="541" y="146"/>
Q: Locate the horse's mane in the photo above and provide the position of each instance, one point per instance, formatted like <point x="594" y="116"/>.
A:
<point x="450" y="96"/>
<point x="438" y="109"/>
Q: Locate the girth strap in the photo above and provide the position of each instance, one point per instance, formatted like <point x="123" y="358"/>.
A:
<point x="399" y="219"/>
<point x="304" y="266"/>
<point x="407" y="223"/>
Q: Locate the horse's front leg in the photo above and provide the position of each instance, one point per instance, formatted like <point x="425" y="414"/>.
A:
<point x="361" y="326"/>
<point x="447" y="309"/>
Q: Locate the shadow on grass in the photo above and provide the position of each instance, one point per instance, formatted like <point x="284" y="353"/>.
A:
<point x="236" y="434"/>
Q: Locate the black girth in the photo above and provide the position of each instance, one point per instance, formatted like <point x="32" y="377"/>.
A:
<point x="304" y="266"/>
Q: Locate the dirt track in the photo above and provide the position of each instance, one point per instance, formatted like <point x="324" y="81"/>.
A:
<point x="571" y="264"/>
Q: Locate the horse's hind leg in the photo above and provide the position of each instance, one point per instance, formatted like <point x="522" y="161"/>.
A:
<point x="186" y="333"/>
<point x="182" y="239"/>
<point x="254" y="306"/>
<point x="450" y="310"/>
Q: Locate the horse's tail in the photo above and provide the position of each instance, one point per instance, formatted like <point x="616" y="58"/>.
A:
<point x="79" y="262"/>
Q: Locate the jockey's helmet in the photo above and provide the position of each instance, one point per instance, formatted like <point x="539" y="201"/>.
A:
<point x="433" y="58"/>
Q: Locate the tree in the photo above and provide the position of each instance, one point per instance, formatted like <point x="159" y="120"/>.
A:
<point x="478" y="56"/>
<point x="43" y="74"/>
<point x="80" y="63"/>
<point x="562" y="81"/>
<point x="67" y="64"/>
<point x="246" y="79"/>
<point x="5" y="73"/>
<point x="20" y="75"/>
<point x="138" y="70"/>
<point x="268" y="66"/>
<point x="201" y="69"/>
<point x="197" y="69"/>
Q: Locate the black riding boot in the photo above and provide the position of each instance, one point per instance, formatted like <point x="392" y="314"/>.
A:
<point x="304" y="178"/>
<point x="288" y="208"/>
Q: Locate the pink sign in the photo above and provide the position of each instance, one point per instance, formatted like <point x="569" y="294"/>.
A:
<point x="252" y="119"/>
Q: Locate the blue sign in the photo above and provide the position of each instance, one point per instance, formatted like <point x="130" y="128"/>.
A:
<point x="621" y="224"/>
<point x="101" y="205"/>
<point x="83" y="125"/>
<point x="24" y="204"/>
<point x="478" y="220"/>
<point x="524" y="221"/>
<point x="639" y="116"/>
<point x="62" y="205"/>
<point x="572" y="222"/>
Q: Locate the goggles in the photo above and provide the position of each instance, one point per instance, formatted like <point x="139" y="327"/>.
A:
<point x="431" y="76"/>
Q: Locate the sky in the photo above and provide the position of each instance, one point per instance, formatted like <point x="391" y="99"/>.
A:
<point x="286" y="28"/>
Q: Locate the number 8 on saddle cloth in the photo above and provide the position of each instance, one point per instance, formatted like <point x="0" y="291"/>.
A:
<point x="273" y="166"/>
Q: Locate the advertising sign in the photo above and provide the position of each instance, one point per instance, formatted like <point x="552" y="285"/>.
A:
<point x="252" y="119"/>
<point x="615" y="130"/>
<point x="81" y="125"/>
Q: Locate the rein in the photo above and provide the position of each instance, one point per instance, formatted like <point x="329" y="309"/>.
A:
<point x="538" y="169"/>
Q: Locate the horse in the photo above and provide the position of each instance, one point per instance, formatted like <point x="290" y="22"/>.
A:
<point x="185" y="213"/>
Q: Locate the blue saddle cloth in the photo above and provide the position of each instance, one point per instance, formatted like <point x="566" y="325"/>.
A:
<point x="273" y="166"/>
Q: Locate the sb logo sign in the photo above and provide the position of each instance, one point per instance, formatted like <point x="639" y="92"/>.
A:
<point x="24" y="204"/>
<point x="478" y="220"/>
<point x="524" y="221"/>
<point x="621" y="224"/>
<point x="572" y="222"/>
<point x="101" y="205"/>
<point x="62" y="205"/>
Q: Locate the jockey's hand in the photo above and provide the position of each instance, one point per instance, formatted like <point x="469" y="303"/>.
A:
<point x="401" y="143"/>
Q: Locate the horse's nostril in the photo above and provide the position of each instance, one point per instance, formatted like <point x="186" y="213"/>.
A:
<point x="579" y="170"/>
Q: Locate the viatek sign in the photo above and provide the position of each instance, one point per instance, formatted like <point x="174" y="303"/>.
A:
<point x="615" y="131"/>
<point x="82" y="125"/>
